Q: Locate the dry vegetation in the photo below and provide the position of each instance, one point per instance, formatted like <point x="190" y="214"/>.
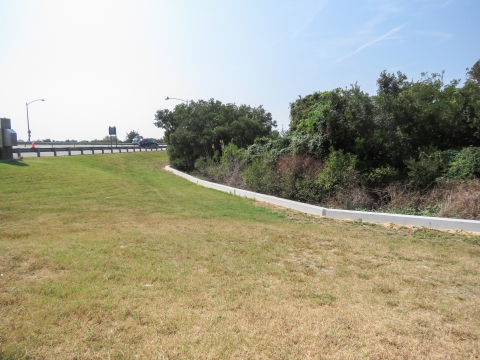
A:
<point x="112" y="257"/>
<point x="297" y="178"/>
<point x="448" y="198"/>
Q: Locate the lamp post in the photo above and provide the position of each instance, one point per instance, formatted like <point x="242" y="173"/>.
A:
<point x="169" y="98"/>
<point x="28" y="122"/>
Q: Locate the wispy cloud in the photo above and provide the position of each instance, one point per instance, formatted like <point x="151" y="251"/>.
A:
<point x="310" y="20"/>
<point x="364" y="46"/>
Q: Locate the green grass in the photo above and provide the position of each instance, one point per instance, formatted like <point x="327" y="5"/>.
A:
<point x="111" y="256"/>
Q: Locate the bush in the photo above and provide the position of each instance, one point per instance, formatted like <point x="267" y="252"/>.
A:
<point x="465" y="165"/>
<point x="232" y="155"/>
<point x="225" y="169"/>
<point x="260" y="176"/>
<point x="339" y="172"/>
<point x="303" y="143"/>
<point x="207" y="167"/>
<point x="298" y="177"/>
<point x="423" y="172"/>
<point x="382" y="176"/>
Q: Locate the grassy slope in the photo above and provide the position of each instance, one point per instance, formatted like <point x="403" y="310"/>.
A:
<point x="112" y="256"/>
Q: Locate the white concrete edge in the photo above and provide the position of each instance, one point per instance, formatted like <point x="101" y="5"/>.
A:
<point x="373" y="217"/>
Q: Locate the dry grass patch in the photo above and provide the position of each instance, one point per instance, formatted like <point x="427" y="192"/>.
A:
<point x="129" y="261"/>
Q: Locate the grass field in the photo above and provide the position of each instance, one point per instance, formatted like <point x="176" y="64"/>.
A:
<point x="112" y="257"/>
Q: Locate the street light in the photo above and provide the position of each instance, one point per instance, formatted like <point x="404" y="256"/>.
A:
<point x="28" y="122"/>
<point x="169" y="98"/>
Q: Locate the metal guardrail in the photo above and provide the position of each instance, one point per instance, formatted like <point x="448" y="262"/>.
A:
<point x="38" y="150"/>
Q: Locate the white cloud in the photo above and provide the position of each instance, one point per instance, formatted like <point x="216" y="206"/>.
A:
<point x="364" y="46"/>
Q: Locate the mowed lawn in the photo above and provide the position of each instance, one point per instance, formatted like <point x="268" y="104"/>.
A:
<point x="112" y="257"/>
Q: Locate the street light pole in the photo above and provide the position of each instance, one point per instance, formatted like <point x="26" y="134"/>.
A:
<point x="169" y="98"/>
<point x="28" y="121"/>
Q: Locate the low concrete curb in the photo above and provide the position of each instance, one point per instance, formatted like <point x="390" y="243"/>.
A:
<point x="382" y="218"/>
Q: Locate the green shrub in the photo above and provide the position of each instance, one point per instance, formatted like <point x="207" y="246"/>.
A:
<point x="205" y="166"/>
<point x="218" y="168"/>
<point x="232" y="154"/>
<point x="382" y="176"/>
<point x="339" y="171"/>
<point x="307" y="190"/>
<point x="306" y="143"/>
<point x="423" y="172"/>
<point x="465" y="165"/>
<point x="260" y="176"/>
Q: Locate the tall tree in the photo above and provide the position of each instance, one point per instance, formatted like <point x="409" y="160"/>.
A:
<point x="203" y="128"/>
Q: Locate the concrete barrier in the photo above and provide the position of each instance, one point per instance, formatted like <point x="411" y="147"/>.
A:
<point x="374" y="217"/>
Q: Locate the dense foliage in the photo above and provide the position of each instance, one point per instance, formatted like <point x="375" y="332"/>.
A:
<point x="360" y="151"/>
<point x="409" y="130"/>
<point x="403" y="120"/>
<point x="203" y="128"/>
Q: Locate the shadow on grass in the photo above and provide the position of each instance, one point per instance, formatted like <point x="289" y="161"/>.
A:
<point x="14" y="163"/>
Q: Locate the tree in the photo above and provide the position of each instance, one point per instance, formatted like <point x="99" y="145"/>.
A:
<point x="473" y="74"/>
<point x="204" y="128"/>
<point x="131" y="135"/>
<point x="426" y="114"/>
<point x="404" y="119"/>
<point x="338" y="119"/>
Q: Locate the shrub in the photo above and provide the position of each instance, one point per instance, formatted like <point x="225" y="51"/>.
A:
<point x="339" y="172"/>
<point x="423" y="172"/>
<point x="298" y="177"/>
<point x="207" y="167"/>
<point x="232" y="154"/>
<point x="465" y="165"/>
<point x="260" y="176"/>
<point x="306" y="143"/>
<point x="382" y="176"/>
<point x="224" y="169"/>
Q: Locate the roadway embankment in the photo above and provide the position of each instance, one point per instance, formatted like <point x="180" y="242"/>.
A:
<point x="373" y="217"/>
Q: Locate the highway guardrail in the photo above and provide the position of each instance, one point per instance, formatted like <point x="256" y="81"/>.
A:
<point x="88" y="149"/>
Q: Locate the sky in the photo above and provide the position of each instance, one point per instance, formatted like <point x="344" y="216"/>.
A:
<point x="101" y="63"/>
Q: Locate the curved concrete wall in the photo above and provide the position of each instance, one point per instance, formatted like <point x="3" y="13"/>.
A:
<point x="403" y="220"/>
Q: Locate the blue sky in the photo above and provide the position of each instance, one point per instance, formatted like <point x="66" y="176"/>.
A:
<point x="100" y="63"/>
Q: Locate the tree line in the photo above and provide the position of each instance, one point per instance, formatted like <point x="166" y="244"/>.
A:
<point x="412" y="136"/>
